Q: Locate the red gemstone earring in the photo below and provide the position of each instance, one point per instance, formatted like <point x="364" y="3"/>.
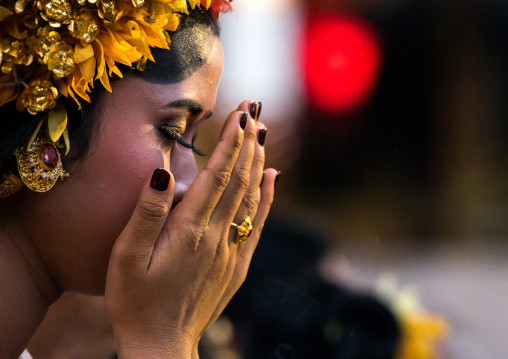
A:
<point x="39" y="165"/>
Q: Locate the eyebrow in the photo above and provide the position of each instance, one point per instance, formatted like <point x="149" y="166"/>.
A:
<point x="191" y="105"/>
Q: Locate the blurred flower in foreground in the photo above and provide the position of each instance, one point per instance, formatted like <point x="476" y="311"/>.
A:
<point x="422" y="332"/>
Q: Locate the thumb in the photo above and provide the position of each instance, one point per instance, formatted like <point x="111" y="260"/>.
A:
<point x="135" y="244"/>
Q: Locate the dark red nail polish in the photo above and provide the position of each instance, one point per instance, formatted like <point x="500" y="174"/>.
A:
<point x="260" y="106"/>
<point x="253" y="110"/>
<point x="262" y="179"/>
<point x="160" y="180"/>
<point x="277" y="177"/>
<point x="243" y="120"/>
<point x="262" y="136"/>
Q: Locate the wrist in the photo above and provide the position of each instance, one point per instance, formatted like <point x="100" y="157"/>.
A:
<point x="195" y="353"/>
<point x="145" y="344"/>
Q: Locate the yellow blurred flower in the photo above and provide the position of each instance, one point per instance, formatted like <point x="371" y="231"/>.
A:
<point x="421" y="332"/>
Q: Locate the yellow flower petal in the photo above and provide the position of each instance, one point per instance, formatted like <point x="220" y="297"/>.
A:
<point x="88" y="69"/>
<point x="173" y="22"/>
<point x="113" y="49"/>
<point x="57" y="122"/>
<point x="8" y="94"/>
<point x="34" y="134"/>
<point x="180" y="6"/>
<point x="61" y="86"/>
<point x="113" y="69"/>
<point x="194" y="3"/>
<point x="105" y="81"/>
<point x="4" y="13"/>
<point x="99" y="56"/>
<point x="83" y="53"/>
<point x="67" y="141"/>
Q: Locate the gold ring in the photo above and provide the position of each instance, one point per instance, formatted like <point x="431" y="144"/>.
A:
<point x="243" y="230"/>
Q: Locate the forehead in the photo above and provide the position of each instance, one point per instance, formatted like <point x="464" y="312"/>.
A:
<point x="135" y="95"/>
<point x="190" y="49"/>
<point x="200" y="85"/>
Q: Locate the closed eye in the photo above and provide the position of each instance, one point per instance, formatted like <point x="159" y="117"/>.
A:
<point x="172" y="134"/>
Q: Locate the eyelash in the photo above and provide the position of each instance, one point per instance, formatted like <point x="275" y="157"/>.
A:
<point x="172" y="135"/>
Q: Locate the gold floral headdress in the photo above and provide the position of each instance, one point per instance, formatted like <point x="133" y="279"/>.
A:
<point x="52" y="48"/>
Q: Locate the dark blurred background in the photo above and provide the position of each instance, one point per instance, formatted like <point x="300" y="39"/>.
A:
<point x="389" y="115"/>
<point x="389" y="122"/>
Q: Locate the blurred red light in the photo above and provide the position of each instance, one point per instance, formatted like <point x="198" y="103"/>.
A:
<point x="341" y="61"/>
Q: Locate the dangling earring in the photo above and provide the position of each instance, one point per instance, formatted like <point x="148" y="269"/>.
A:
<point x="39" y="164"/>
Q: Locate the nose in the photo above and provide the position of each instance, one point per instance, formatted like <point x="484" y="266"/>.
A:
<point x="184" y="168"/>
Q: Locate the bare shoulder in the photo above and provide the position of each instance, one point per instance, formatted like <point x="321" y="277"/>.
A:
<point x="21" y="306"/>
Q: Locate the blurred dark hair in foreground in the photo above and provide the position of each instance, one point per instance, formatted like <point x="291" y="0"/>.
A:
<point x="285" y="309"/>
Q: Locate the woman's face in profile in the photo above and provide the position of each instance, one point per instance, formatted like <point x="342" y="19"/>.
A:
<point x="85" y="214"/>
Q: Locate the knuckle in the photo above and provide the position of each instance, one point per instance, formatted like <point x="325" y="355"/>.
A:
<point x="125" y="255"/>
<point x="237" y="143"/>
<point x="239" y="279"/>
<point x="191" y="233"/>
<point x="258" y="229"/>
<point x="151" y="211"/>
<point x="242" y="178"/>
<point x="258" y="162"/>
<point x="221" y="179"/>
<point x="250" y="136"/>
<point x="249" y="202"/>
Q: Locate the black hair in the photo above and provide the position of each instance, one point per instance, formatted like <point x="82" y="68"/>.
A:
<point x="189" y="51"/>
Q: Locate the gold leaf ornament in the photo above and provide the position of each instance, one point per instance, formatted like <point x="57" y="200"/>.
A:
<point x="61" y="60"/>
<point x="39" y="96"/>
<point x="57" y="122"/>
<point x="34" y="135"/>
<point x="46" y="40"/>
<point x="57" y="10"/>
<point x="4" y="13"/>
<point x="108" y="11"/>
<point x="84" y="27"/>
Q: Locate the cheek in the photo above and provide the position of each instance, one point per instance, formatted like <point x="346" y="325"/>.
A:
<point x="123" y="166"/>
<point x="94" y="206"/>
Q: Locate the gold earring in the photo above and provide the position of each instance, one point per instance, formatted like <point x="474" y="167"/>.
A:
<point x="39" y="164"/>
<point x="9" y="184"/>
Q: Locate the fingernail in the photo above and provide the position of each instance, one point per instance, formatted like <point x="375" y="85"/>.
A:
<point x="262" y="136"/>
<point x="277" y="177"/>
<point x="160" y="180"/>
<point x="243" y="120"/>
<point x="254" y="110"/>
<point x="262" y="179"/>
<point x="260" y="106"/>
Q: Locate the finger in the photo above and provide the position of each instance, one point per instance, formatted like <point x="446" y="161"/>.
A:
<point x="204" y="193"/>
<point x="252" y="196"/>
<point x="238" y="199"/>
<point x="246" y="250"/>
<point x="267" y="191"/>
<point x="250" y="200"/>
<point x="241" y="265"/>
<point x="135" y="244"/>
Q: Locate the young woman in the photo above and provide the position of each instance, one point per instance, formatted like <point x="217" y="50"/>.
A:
<point x="168" y="246"/>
